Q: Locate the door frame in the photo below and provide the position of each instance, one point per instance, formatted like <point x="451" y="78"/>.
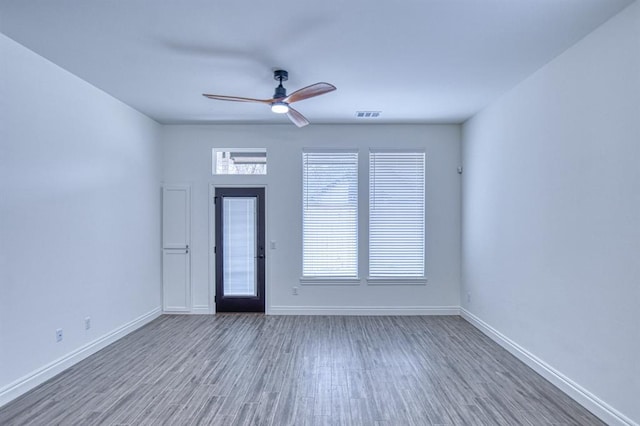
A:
<point x="212" y="243"/>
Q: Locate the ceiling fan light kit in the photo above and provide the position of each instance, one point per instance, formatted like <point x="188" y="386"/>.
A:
<point x="279" y="107"/>
<point x="280" y="103"/>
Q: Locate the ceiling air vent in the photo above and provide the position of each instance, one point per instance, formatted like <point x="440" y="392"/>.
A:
<point x="367" y="114"/>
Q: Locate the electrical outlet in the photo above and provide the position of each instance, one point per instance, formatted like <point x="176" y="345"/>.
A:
<point x="294" y="291"/>
<point x="272" y="245"/>
<point x="59" y="335"/>
<point x="87" y="323"/>
<point x="468" y="297"/>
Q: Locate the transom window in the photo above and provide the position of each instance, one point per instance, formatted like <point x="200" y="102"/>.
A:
<point x="239" y="161"/>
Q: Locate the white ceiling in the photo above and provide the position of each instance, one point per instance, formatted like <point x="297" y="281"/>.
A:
<point x="417" y="61"/>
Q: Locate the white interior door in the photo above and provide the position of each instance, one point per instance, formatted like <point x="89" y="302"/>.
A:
<point x="176" y="257"/>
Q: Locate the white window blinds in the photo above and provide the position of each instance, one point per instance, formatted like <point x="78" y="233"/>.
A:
<point x="330" y="214"/>
<point x="396" y="214"/>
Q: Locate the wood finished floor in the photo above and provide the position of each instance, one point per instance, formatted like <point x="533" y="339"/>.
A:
<point x="244" y="369"/>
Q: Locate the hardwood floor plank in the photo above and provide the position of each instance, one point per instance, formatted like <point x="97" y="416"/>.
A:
<point x="285" y="407"/>
<point x="340" y="410"/>
<point x="266" y="409"/>
<point x="360" y="414"/>
<point x="208" y="411"/>
<point x="322" y="392"/>
<point x="245" y="414"/>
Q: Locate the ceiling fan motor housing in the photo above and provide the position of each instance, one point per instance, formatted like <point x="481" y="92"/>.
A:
<point x="281" y="92"/>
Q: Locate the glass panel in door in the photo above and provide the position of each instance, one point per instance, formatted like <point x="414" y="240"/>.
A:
<point x="239" y="246"/>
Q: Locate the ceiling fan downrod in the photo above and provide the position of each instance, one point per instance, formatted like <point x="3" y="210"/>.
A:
<point x="280" y="75"/>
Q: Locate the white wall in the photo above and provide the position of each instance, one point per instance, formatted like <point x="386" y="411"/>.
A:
<point x="187" y="159"/>
<point x="79" y="218"/>
<point x="551" y="218"/>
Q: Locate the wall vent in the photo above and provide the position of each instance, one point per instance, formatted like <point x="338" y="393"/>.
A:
<point x="368" y="114"/>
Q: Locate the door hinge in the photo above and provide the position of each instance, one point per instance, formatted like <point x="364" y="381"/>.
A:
<point x="215" y="299"/>
<point x="215" y="200"/>
<point x="215" y="250"/>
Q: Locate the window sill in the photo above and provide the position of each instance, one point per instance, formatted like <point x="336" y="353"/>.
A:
<point x="329" y="281"/>
<point x="396" y="281"/>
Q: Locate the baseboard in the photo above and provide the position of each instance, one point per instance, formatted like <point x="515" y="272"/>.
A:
<point x="196" y="310"/>
<point x="363" y="310"/>
<point x="41" y="375"/>
<point x="604" y="411"/>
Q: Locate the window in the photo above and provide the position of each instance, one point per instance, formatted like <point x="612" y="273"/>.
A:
<point x="239" y="161"/>
<point x="396" y="215"/>
<point x="330" y="214"/>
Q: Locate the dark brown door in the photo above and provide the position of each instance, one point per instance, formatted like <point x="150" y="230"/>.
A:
<point x="240" y="249"/>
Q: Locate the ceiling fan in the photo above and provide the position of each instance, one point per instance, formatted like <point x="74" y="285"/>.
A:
<point x="280" y="103"/>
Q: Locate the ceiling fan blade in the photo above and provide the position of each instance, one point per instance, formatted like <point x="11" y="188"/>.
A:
<point x="310" y="91"/>
<point x="237" y="99"/>
<point x="297" y="118"/>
